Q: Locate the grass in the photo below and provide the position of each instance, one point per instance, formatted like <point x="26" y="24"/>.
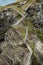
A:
<point x="40" y="35"/>
<point x="27" y="22"/>
<point x="19" y="9"/>
<point x="32" y="45"/>
<point x="19" y="16"/>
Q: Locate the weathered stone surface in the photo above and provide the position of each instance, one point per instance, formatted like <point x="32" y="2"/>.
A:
<point x="6" y="19"/>
<point x="35" y="60"/>
<point x="15" y="49"/>
<point x="39" y="52"/>
<point x="34" y="8"/>
<point x="13" y="53"/>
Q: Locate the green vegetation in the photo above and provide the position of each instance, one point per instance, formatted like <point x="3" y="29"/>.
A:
<point x="40" y="35"/>
<point x="38" y="1"/>
<point x="19" y="16"/>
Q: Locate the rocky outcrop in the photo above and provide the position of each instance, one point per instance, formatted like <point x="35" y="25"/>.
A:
<point x="17" y="49"/>
<point x="35" y="11"/>
<point x="32" y="9"/>
<point x="14" y="53"/>
<point x="39" y="52"/>
<point x="35" y="60"/>
<point x="38" y="20"/>
<point x="7" y="17"/>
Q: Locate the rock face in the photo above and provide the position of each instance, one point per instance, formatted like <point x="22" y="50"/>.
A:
<point x="34" y="60"/>
<point x="6" y="19"/>
<point x="14" y="53"/>
<point x="39" y="52"/>
<point x="38" y="20"/>
<point x="15" y="45"/>
<point x="32" y="9"/>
